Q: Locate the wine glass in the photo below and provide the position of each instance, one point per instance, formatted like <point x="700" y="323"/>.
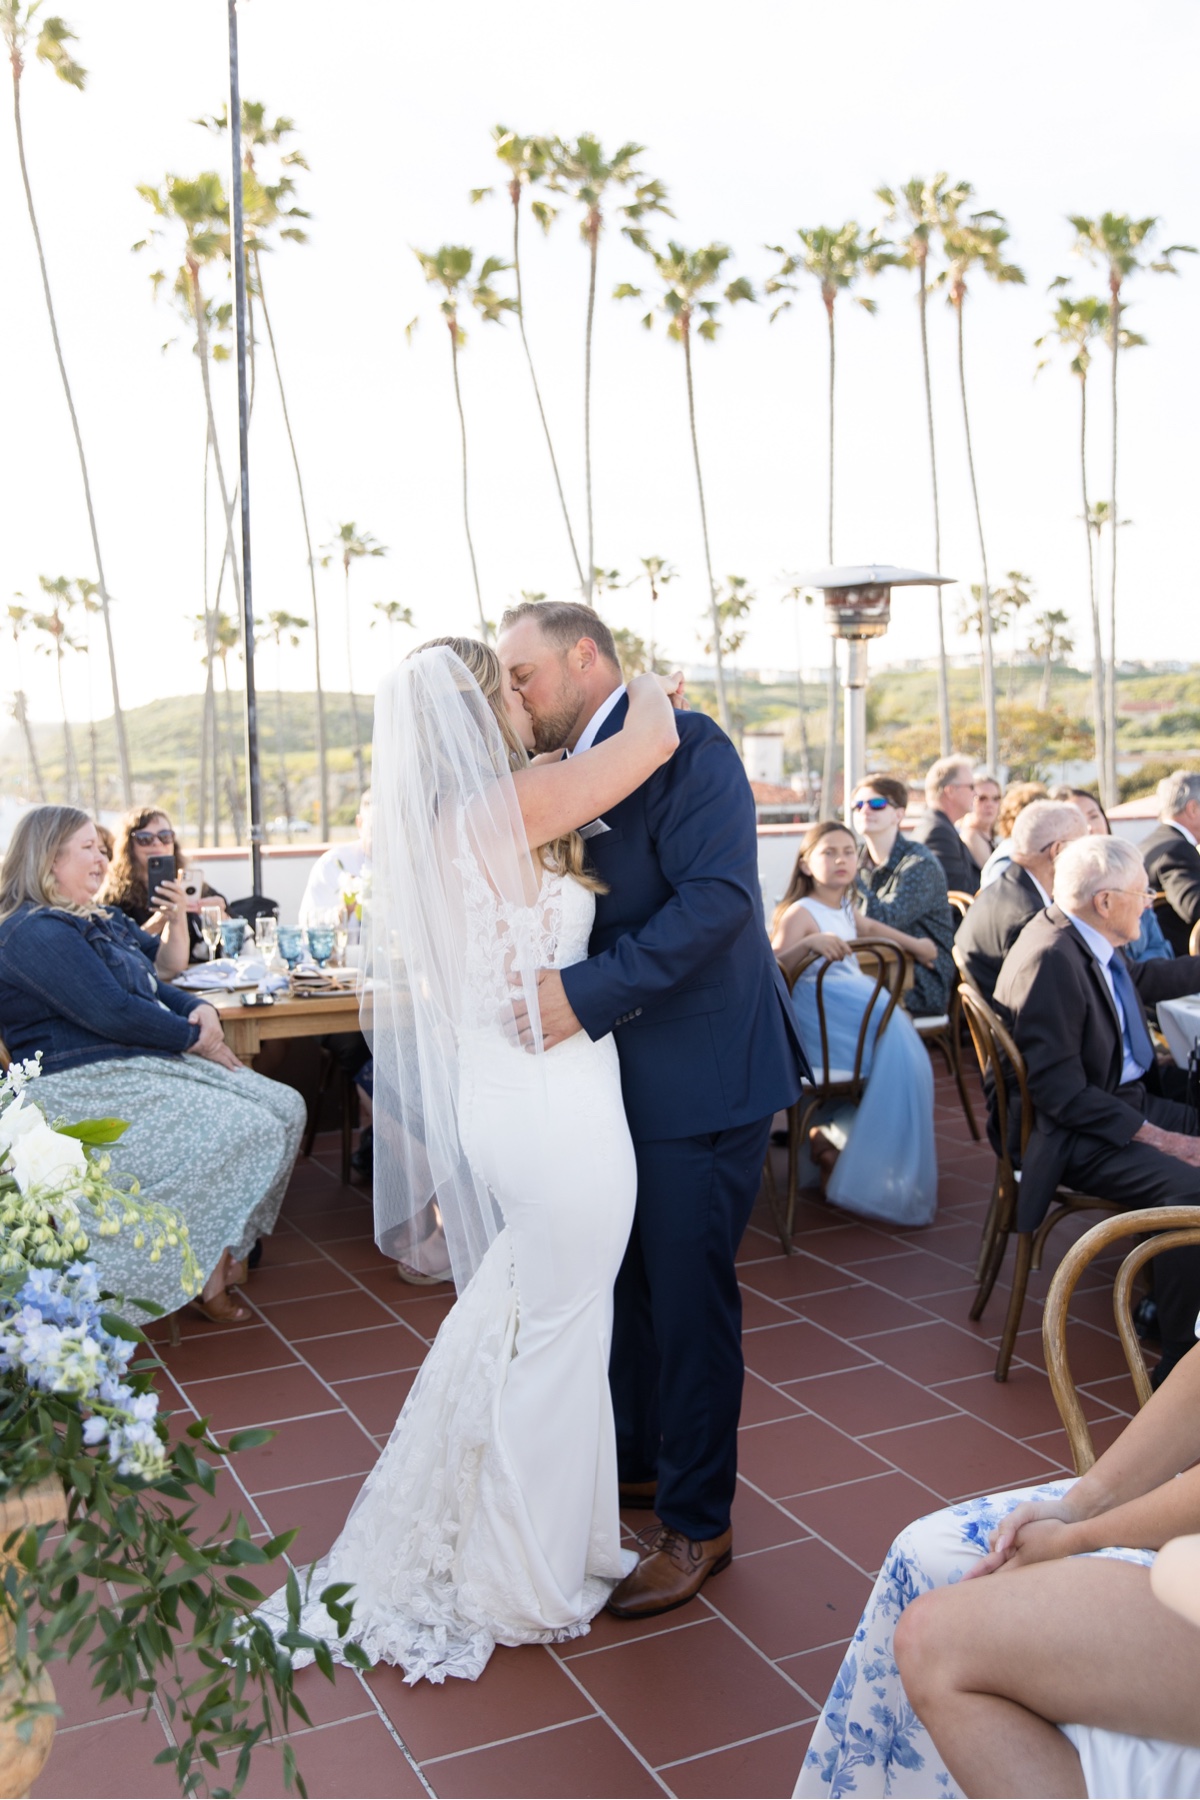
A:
<point x="210" y="926"/>
<point x="266" y="932"/>
<point x="233" y="936"/>
<point x="320" y="943"/>
<point x="291" y="944"/>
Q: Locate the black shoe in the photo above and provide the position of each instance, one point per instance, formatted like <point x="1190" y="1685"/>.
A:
<point x="255" y="1256"/>
<point x="362" y="1160"/>
<point x="1145" y="1319"/>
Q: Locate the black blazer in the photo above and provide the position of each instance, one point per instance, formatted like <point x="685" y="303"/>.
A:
<point x="934" y="830"/>
<point x="998" y="916"/>
<point x="1054" y="998"/>
<point x="1173" y="865"/>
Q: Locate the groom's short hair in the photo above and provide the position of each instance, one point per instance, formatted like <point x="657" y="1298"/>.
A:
<point x="563" y="622"/>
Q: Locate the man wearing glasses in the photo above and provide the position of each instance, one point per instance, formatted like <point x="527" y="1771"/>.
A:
<point x="949" y="796"/>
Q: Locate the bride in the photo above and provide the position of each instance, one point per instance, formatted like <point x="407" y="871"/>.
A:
<point x="491" y="1516"/>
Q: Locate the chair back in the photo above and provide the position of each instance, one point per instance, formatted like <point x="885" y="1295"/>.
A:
<point x="1159" y="901"/>
<point x="960" y="902"/>
<point x="960" y="963"/>
<point x="1194" y="940"/>
<point x="1173" y="1227"/>
<point x="884" y="964"/>
<point x="1000" y="1059"/>
<point x="5" y="1058"/>
<point x="251" y="906"/>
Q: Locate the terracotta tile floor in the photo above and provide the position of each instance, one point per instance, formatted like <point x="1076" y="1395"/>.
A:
<point x="870" y="1400"/>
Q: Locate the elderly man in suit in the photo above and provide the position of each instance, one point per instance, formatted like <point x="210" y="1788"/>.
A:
<point x="949" y="795"/>
<point x="1102" y="1126"/>
<point x="1001" y="911"/>
<point x="1172" y="858"/>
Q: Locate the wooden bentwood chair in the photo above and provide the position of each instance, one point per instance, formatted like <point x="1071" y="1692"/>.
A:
<point x="944" y="1030"/>
<point x="885" y="965"/>
<point x="1000" y="1060"/>
<point x="1170" y="1227"/>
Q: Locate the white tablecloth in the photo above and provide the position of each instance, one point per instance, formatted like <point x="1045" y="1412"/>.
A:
<point x="1179" y="1022"/>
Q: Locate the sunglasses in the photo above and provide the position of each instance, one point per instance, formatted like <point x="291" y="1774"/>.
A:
<point x="154" y="837"/>
<point x="876" y="803"/>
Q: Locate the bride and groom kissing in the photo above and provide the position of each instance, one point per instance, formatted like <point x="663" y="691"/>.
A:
<point x="580" y="1039"/>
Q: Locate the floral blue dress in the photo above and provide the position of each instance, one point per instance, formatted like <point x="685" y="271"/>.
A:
<point x="869" y="1741"/>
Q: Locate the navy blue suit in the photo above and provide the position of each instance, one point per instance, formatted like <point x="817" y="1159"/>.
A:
<point x="681" y="970"/>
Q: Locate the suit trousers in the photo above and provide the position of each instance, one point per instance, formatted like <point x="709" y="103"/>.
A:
<point x="1141" y="1176"/>
<point x="676" y="1368"/>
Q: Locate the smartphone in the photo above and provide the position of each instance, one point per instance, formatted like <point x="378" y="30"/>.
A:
<point x="193" y="883"/>
<point x="158" y="870"/>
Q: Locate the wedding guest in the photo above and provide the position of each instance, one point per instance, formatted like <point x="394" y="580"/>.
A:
<point x="340" y="869"/>
<point x="145" y="832"/>
<point x="205" y="1136"/>
<point x="1066" y="1677"/>
<point x="949" y="788"/>
<point x="1150" y="945"/>
<point x="977" y="829"/>
<point x="1001" y="911"/>
<point x="878" y="1158"/>
<point x="902" y="885"/>
<point x="105" y="839"/>
<point x="1172" y="858"/>
<point x="1017" y="795"/>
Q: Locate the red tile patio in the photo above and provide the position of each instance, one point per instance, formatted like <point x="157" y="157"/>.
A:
<point x="870" y="1400"/>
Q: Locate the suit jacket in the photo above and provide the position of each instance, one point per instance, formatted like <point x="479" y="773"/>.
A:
<point x="680" y="966"/>
<point x="934" y="830"/>
<point x="997" y="917"/>
<point x="1054" y="998"/>
<point x="1173" y="865"/>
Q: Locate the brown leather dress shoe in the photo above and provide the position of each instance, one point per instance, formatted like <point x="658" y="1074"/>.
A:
<point x="671" y="1573"/>
<point x="638" y="1494"/>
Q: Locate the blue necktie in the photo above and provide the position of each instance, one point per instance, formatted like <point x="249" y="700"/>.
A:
<point x="1137" y="1037"/>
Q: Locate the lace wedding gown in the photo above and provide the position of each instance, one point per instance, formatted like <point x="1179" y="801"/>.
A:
<point x="491" y="1516"/>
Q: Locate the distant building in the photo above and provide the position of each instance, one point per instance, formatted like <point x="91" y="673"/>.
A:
<point x="762" y="753"/>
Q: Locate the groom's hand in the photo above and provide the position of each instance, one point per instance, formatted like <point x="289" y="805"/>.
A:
<point x="557" y="1019"/>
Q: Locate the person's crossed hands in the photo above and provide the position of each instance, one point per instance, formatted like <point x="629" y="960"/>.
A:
<point x="1036" y="1531"/>
<point x="211" y="1043"/>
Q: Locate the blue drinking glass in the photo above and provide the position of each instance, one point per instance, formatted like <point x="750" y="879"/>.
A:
<point x="233" y="936"/>
<point x="320" y="943"/>
<point x="291" y="944"/>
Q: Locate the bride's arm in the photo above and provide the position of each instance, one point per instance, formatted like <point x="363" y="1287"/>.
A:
<point x="557" y="797"/>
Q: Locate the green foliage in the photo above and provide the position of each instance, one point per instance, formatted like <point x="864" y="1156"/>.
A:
<point x="835" y="255"/>
<point x="1146" y="779"/>
<point x="685" y="275"/>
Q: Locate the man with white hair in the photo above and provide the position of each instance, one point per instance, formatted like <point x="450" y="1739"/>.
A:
<point x="1001" y="911"/>
<point x="949" y="796"/>
<point x="1172" y="857"/>
<point x="1103" y="1124"/>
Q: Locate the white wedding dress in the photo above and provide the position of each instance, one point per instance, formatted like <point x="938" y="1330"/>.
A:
<point x="491" y="1517"/>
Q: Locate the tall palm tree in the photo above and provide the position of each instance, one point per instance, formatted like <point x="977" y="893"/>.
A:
<point x="583" y="171"/>
<point x="527" y="161"/>
<point x="1051" y="641"/>
<point x="657" y="573"/>
<point x="605" y="581"/>
<point x="450" y="268"/>
<point x="284" y="626"/>
<point x="1008" y="603"/>
<point x="226" y="637"/>
<point x="837" y="257"/>
<point x="391" y="613"/>
<point x="350" y="545"/>
<point x="728" y="633"/>
<point x="20" y="620"/>
<point x="54" y="623"/>
<point x="923" y="207"/>
<point x="800" y="595"/>
<point x="976" y="242"/>
<point x="89" y="605"/>
<point x="1115" y="241"/>
<point x="50" y="47"/>
<point x="684" y="276"/>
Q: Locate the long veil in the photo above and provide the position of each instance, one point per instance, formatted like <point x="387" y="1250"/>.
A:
<point x="451" y="946"/>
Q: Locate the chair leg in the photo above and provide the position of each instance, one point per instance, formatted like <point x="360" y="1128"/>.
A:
<point x="991" y="1269"/>
<point x="349" y="1109"/>
<point x="954" y="1058"/>
<point x="314" y="1111"/>
<point x="1016" y="1303"/>
<point x="173" y="1337"/>
<point x="988" y="1235"/>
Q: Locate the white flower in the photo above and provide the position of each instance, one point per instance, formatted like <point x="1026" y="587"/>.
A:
<point x="40" y="1156"/>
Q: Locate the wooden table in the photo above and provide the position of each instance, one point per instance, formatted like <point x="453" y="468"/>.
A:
<point x="248" y="1028"/>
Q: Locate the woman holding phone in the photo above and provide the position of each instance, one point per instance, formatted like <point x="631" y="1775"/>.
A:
<point x="142" y="884"/>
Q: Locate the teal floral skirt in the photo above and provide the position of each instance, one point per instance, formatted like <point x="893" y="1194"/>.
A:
<point x="215" y="1144"/>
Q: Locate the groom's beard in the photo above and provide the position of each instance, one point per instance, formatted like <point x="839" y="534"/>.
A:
<point x="552" y="729"/>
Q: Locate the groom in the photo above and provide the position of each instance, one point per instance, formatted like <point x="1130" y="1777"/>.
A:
<point x="681" y="971"/>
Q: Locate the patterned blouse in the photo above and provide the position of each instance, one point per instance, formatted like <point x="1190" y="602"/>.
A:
<point x="908" y="892"/>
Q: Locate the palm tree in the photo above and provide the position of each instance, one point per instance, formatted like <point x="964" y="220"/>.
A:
<point x="685" y="275"/>
<point x="728" y="634"/>
<point x="54" y="623"/>
<point x="89" y="604"/>
<point x="1114" y="240"/>
<point x="349" y="545"/>
<point x="284" y="625"/>
<point x="837" y="257"/>
<point x="227" y="635"/>
<point x="391" y="613"/>
<point x="584" y="172"/>
<point x="924" y="207"/>
<point x="797" y="594"/>
<point x="632" y="653"/>
<point x="20" y="620"/>
<point x="450" y="268"/>
<point x="658" y="574"/>
<point x="976" y="242"/>
<point x="1008" y="603"/>
<point x="527" y="161"/>
<point x="605" y="581"/>
<point x="53" y="37"/>
<point x="1051" y="641"/>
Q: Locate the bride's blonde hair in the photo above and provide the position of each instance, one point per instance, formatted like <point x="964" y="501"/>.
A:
<point x="566" y="855"/>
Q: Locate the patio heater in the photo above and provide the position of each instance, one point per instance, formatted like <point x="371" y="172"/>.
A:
<point x="858" y="607"/>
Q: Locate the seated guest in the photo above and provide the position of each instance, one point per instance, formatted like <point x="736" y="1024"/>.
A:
<point x="1172" y="859"/>
<point x="1067" y="1677"/>
<point x="877" y="1159"/>
<point x="206" y="1136"/>
<point x="1150" y="945"/>
<point x="901" y="884"/>
<point x="104" y="838"/>
<point x="1017" y="795"/>
<point x="143" y="833"/>
<point x="1001" y="911"/>
<point x="337" y="868"/>
<point x="977" y="829"/>
<point x="949" y="790"/>
<point x="1103" y="1124"/>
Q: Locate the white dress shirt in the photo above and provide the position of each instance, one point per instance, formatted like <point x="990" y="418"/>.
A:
<point x="327" y="879"/>
<point x="1182" y="830"/>
<point x="587" y="736"/>
<point x="1102" y="950"/>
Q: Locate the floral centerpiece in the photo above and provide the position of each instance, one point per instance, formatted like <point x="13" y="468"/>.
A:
<point x="133" y="1580"/>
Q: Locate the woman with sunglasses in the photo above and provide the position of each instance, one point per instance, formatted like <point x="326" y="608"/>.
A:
<point x="143" y="833"/>
<point x="901" y="884"/>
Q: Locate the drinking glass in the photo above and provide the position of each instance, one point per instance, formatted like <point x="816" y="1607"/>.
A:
<point x="233" y="936"/>
<point x="320" y="943"/>
<point x="291" y="944"/>
<point x="210" y="926"/>
<point x="266" y="932"/>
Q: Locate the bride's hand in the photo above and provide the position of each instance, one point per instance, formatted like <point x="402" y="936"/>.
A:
<point x="672" y="686"/>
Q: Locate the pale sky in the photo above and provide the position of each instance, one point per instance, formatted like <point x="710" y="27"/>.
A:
<point x="759" y="118"/>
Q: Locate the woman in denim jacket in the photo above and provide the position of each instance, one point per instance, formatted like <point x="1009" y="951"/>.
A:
<point x="205" y="1135"/>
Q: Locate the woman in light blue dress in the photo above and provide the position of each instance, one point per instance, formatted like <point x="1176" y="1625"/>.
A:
<point x="880" y="1154"/>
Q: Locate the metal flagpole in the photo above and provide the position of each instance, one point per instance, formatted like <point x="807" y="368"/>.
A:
<point x="238" y="252"/>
